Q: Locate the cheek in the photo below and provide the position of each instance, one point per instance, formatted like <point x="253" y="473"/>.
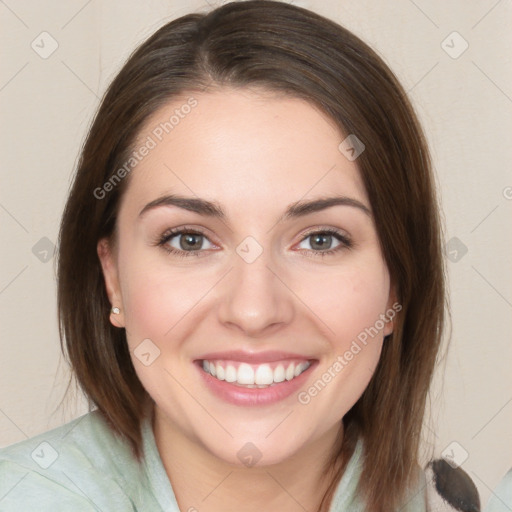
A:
<point x="349" y="301"/>
<point x="156" y="300"/>
<point x="158" y="304"/>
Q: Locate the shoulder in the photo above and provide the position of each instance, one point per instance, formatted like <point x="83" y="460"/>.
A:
<point x="66" y="468"/>
<point x="347" y="495"/>
<point x="501" y="498"/>
<point x="437" y="488"/>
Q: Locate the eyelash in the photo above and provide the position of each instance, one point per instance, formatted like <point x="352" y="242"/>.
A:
<point x="162" y="241"/>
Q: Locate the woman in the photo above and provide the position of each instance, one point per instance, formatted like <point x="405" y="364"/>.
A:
<point x="251" y="286"/>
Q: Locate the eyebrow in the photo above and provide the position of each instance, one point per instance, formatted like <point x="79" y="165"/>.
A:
<point x="214" y="210"/>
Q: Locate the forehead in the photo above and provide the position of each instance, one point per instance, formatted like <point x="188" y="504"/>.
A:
<point x="242" y="147"/>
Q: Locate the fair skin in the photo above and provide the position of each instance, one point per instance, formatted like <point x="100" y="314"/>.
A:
<point x="254" y="154"/>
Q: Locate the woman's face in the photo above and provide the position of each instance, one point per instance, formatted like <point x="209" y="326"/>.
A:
<point x="220" y="259"/>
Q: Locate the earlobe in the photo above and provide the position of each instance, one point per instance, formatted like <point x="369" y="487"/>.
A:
<point x="108" y="262"/>
<point x="116" y="318"/>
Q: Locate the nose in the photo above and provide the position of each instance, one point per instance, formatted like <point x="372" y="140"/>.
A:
<point x="255" y="298"/>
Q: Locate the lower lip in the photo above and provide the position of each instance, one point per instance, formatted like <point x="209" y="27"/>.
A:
<point x="238" y="395"/>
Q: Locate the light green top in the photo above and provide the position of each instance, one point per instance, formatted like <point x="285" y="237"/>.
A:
<point x="83" y="467"/>
<point x="501" y="498"/>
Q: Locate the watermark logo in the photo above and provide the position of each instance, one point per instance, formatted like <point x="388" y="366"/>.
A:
<point x="305" y="397"/>
<point x="249" y="455"/>
<point x="454" y="45"/>
<point x="456" y="249"/>
<point x="455" y="454"/>
<point x="146" y="352"/>
<point x="351" y="147"/>
<point x="157" y="135"/>
<point x="249" y="249"/>
<point x="44" y="455"/>
<point x="44" y="45"/>
<point x="44" y="250"/>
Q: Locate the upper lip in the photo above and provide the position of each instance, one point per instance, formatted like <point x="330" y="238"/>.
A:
<point x="267" y="356"/>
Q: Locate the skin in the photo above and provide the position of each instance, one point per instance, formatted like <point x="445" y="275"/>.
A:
<point x="254" y="153"/>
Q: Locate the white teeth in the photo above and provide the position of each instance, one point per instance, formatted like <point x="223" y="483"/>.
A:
<point x="298" y="369"/>
<point x="279" y="375"/>
<point x="262" y="377"/>
<point x="245" y="374"/>
<point x="221" y="374"/>
<point x="230" y="373"/>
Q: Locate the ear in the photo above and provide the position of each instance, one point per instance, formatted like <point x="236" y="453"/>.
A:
<point x="108" y="260"/>
<point x="393" y="307"/>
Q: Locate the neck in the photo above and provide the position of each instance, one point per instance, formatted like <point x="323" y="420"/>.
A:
<point x="204" y="483"/>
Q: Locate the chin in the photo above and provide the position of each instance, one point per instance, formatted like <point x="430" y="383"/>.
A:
<point x="253" y="452"/>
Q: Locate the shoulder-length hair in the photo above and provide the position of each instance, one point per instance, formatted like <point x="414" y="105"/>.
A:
<point x="289" y="50"/>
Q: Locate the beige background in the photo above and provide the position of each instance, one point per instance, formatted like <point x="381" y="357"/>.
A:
<point x="465" y="104"/>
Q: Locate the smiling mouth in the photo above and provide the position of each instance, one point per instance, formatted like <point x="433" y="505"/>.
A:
<point x="254" y="375"/>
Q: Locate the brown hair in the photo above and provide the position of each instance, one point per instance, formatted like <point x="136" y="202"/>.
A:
<point x="290" y="50"/>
